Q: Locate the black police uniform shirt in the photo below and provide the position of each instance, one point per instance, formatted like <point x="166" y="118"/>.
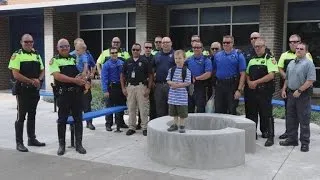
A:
<point x="137" y="71"/>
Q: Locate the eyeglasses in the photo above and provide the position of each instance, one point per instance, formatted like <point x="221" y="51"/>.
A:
<point x="227" y="42"/>
<point x="28" y="42"/>
<point x="197" y="47"/>
<point x="113" y="52"/>
<point x="116" y="42"/>
<point x="148" y="47"/>
<point x="64" y="46"/>
<point x="293" y="42"/>
<point x="195" y="41"/>
<point x="214" y="49"/>
<point x="258" y="46"/>
<point x="157" y="42"/>
<point x="301" y="49"/>
<point x="135" y="49"/>
<point x="252" y="38"/>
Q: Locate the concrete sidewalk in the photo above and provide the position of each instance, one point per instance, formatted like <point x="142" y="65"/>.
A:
<point x="115" y="149"/>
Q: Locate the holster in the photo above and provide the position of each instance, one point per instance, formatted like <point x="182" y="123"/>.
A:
<point x="55" y="90"/>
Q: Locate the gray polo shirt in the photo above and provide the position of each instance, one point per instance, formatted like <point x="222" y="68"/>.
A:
<point x="299" y="71"/>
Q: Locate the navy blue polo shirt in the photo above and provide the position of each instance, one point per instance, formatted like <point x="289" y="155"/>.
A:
<point x="162" y="62"/>
<point x="227" y="65"/>
<point x="198" y="65"/>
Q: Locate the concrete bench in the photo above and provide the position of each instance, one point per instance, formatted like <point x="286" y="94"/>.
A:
<point x="211" y="141"/>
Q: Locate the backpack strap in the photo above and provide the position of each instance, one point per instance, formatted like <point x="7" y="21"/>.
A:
<point x="173" y="69"/>
<point x="184" y="73"/>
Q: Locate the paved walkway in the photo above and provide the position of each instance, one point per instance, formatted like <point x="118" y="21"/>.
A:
<point x="128" y="155"/>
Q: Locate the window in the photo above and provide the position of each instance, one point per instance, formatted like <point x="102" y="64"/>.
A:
<point x="181" y="36"/>
<point x="207" y="37"/>
<point x="241" y="34"/>
<point x="91" y="38"/>
<point x="216" y="15"/>
<point x="98" y="30"/>
<point x="213" y="24"/>
<point x="184" y="17"/>
<point x="301" y="11"/>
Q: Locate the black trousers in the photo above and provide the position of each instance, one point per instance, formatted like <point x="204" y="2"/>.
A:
<point x="258" y="102"/>
<point x="298" y="112"/>
<point x="198" y="98"/>
<point x="70" y="102"/>
<point x="224" y="101"/>
<point x="116" y="98"/>
<point x="86" y="102"/>
<point x="27" y="102"/>
<point x="161" y="99"/>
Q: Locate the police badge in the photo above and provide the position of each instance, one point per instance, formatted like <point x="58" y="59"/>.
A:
<point x="140" y="64"/>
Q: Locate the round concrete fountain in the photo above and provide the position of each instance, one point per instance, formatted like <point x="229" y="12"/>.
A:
<point x="211" y="141"/>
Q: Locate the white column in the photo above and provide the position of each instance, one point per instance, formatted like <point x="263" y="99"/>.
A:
<point x="48" y="44"/>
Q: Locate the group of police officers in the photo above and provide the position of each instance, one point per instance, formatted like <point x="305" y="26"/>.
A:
<point x="140" y="82"/>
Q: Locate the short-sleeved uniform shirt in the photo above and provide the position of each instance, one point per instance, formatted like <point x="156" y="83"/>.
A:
<point x="199" y="65"/>
<point x="137" y="71"/>
<point x="264" y="60"/>
<point x="288" y="56"/>
<point x="29" y="64"/>
<point x="178" y="96"/>
<point x="110" y="73"/>
<point x="299" y="71"/>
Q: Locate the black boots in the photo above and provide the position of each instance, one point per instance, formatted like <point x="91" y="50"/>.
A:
<point x="270" y="140"/>
<point x="90" y="125"/>
<point x="62" y="138"/>
<point x="78" y="133"/>
<point x="19" y="136"/>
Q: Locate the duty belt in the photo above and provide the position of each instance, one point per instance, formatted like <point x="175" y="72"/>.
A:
<point x="136" y="84"/>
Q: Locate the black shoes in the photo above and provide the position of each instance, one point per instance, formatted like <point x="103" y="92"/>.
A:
<point x="145" y="132"/>
<point x="283" y="136"/>
<point x="304" y="148"/>
<point x="181" y="129"/>
<point x="130" y="132"/>
<point x="265" y="135"/>
<point x="138" y="127"/>
<point x="288" y="143"/>
<point x="90" y="126"/>
<point x="80" y="149"/>
<point x="61" y="150"/>
<point x="21" y="147"/>
<point x="269" y="142"/>
<point x="124" y="126"/>
<point x="35" y="142"/>
<point x="173" y="127"/>
<point x="108" y="128"/>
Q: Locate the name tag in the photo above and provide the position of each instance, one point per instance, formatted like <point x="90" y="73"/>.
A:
<point x="133" y="74"/>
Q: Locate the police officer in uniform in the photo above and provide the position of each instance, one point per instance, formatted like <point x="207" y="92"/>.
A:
<point x="69" y="87"/>
<point x="157" y="45"/>
<point x="111" y="87"/>
<point x="201" y="69"/>
<point x="260" y="75"/>
<point x="250" y="53"/>
<point x="284" y="60"/>
<point x="27" y="68"/>
<point x="195" y="39"/>
<point x="105" y="55"/>
<point x="229" y="66"/>
<point x="136" y="82"/>
<point x="300" y="76"/>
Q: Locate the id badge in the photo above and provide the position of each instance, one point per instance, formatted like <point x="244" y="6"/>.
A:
<point x="133" y="74"/>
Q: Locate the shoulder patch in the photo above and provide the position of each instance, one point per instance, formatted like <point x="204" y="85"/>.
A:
<point x="51" y="61"/>
<point x="13" y="57"/>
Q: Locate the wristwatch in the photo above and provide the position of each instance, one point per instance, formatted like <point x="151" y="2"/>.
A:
<point x="299" y="91"/>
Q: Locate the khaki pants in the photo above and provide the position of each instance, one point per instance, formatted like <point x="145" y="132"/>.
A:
<point x="136" y="99"/>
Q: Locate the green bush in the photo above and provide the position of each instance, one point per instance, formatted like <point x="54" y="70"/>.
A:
<point x="97" y="97"/>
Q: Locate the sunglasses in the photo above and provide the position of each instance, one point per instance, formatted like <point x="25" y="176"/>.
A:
<point x="252" y="38"/>
<point x="148" y="47"/>
<point x="113" y="52"/>
<point x="157" y="41"/>
<point x="227" y="42"/>
<point x="301" y="49"/>
<point x="195" y="41"/>
<point x="64" y="46"/>
<point x="28" y="42"/>
<point x="214" y="49"/>
<point x="197" y="47"/>
<point x="293" y="42"/>
<point x="135" y="49"/>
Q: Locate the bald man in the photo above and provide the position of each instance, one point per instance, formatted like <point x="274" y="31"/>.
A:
<point x="28" y="70"/>
<point x="70" y="88"/>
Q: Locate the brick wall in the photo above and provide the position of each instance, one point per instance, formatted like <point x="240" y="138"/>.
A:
<point x="65" y="26"/>
<point x="151" y="21"/>
<point x="4" y="52"/>
<point x="271" y="28"/>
